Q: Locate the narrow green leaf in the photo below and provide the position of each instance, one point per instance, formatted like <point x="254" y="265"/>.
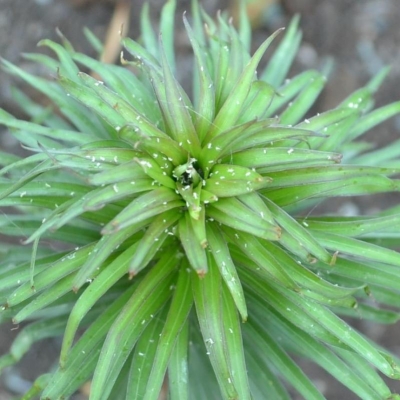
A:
<point x="67" y="66"/>
<point x="290" y="307"/>
<point x="105" y="248"/>
<point x="57" y="290"/>
<point x="39" y="131"/>
<point x="179" y="118"/>
<point x="347" y="335"/>
<point x="227" y="269"/>
<point x="264" y="262"/>
<point x="234" y="344"/>
<point x="85" y="353"/>
<point x="152" y="240"/>
<point x="299" y="232"/>
<point x="177" y="316"/>
<point x="374" y="118"/>
<point x="207" y="293"/>
<point x="270" y="159"/>
<point x="279" y="65"/>
<point x="353" y="226"/>
<point x="244" y="27"/>
<point x="290" y="89"/>
<point x="148" y="36"/>
<point x="235" y="100"/>
<point x="358" y="248"/>
<point x="303" y="102"/>
<point x="178" y="368"/>
<point x="123" y="82"/>
<point x="93" y="40"/>
<point x="52" y="274"/>
<point x="205" y="105"/>
<point x="144" y="207"/>
<point x="345" y="187"/>
<point x="122" y="334"/>
<point x="299" y="342"/>
<point x="256" y="105"/>
<point x="37" y="387"/>
<point x="140" y="53"/>
<point x="104" y="281"/>
<point x="143" y="359"/>
<point x="232" y="212"/>
<point x="167" y="23"/>
<point x="281" y="361"/>
<point x="193" y="248"/>
<point x="310" y="175"/>
<point x="308" y="279"/>
<point x="154" y="144"/>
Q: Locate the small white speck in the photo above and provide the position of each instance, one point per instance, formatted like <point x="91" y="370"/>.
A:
<point x="145" y="163"/>
<point x="290" y="151"/>
<point x="115" y="188"/>
<point x="307" y="121"/>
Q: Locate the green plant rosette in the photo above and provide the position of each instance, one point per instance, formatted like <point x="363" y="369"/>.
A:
<point x="167" y="238"/>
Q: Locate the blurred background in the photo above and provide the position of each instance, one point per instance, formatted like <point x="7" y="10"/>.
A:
<point x="362" y="36"/>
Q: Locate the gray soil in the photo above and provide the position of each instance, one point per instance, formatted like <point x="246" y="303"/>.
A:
<point x="361" y="36"/>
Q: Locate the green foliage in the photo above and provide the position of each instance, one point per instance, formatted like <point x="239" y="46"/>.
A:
<point x="187" y="250"/>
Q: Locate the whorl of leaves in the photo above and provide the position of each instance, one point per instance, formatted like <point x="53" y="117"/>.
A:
<point x="174" y="231"/>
